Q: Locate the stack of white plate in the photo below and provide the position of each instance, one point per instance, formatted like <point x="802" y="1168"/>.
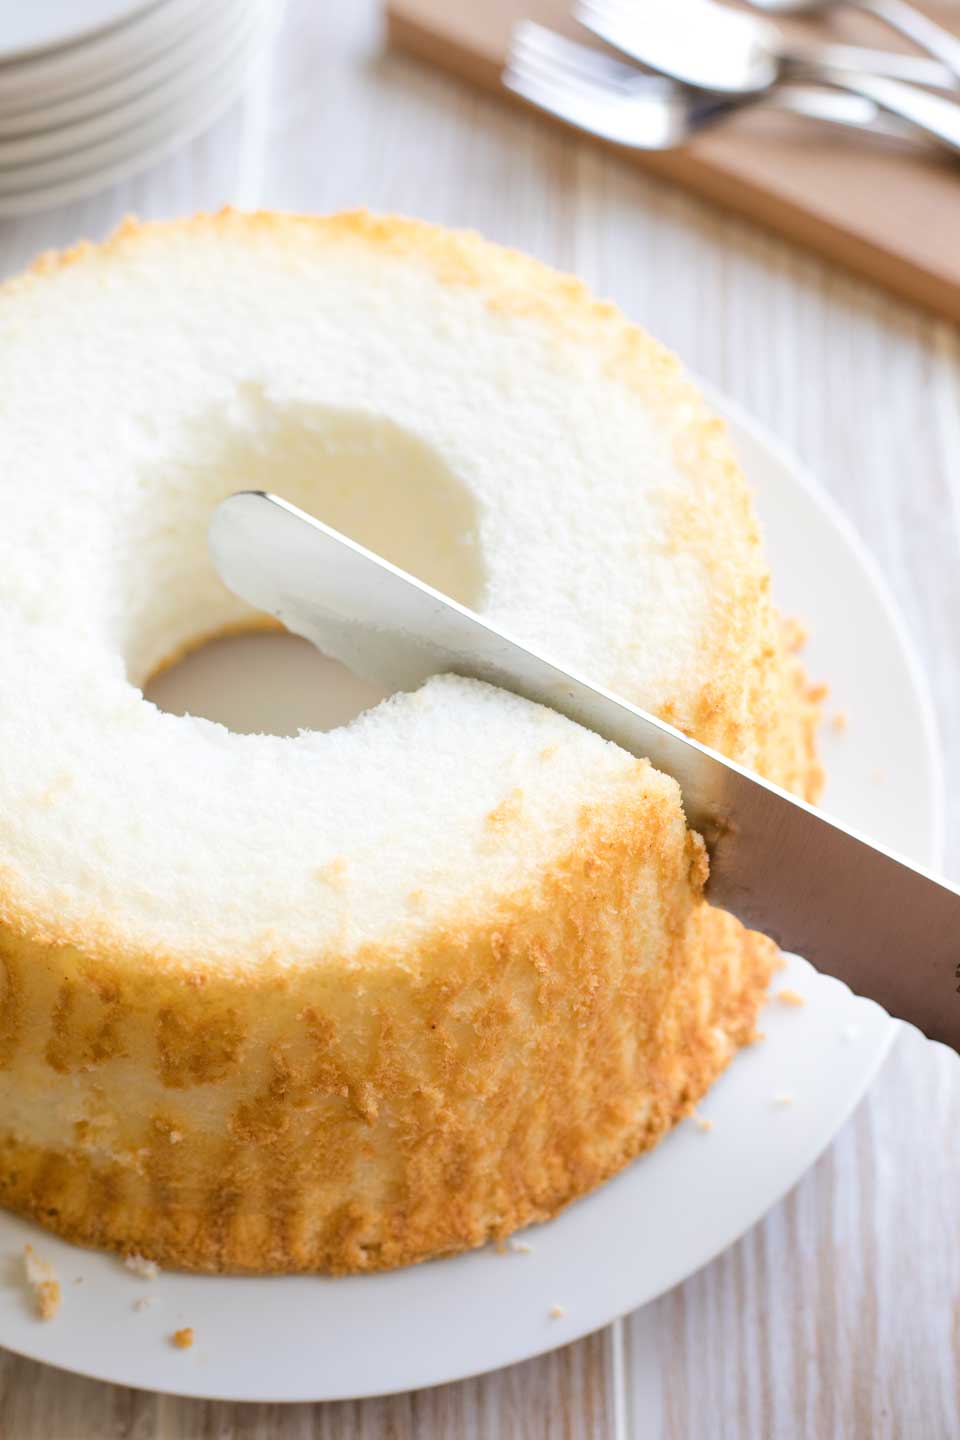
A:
<point x="92" y="91"/>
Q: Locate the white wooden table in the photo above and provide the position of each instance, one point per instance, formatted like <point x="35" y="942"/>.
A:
<point x="839" y="1315"/>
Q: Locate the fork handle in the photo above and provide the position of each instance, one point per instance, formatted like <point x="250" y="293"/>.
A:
<point x="908" y="20"/>
<point x="915" y="69"/>
<point x="934" y="115"/>
<point x="833" y="107"/>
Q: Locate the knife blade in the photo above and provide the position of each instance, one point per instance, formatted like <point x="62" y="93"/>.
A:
<point x="888" y="929"/>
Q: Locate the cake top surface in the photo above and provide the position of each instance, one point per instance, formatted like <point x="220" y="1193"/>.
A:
<point x="465" y="411"/>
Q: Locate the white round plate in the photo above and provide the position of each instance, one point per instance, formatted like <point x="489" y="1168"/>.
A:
<point x="30" y="161"/>
<point x="47" y="24"/>
<point x="44" y="120"/>
<point x="87" y="172"/>
<point x="313" y="1338"/>
<point x="51" y="75"/>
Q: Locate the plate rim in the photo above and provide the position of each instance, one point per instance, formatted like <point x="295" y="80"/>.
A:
<point x="20" y="204"/>
<point x="132" y="85"/>
<point x="72" y="69"/>
<point x="129" y="12"/>
<point x="113" y="135"/>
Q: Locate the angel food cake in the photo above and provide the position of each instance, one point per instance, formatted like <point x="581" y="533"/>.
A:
<point x="349" y="1000"/>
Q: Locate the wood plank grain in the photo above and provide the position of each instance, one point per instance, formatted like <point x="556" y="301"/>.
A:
<point x="836" y="1316"/>
<point x="562" y="1396"/>
<point x="36" y="1401"/>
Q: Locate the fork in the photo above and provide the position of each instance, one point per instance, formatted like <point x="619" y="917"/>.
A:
<point x="901" y="16"/>
<point x="713" y="48"/>
<point x="613" y="100"/>
<point x="735" y="51"/>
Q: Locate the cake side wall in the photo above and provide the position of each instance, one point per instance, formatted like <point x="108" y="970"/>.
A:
<point x="374" y="1112"/>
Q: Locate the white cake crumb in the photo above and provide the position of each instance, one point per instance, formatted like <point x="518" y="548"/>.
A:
<point x="520" y="1247"/>
<point x="784" y="1097"/>
<point x="701" y="1122"/>
<point x="42" y="1279"/>
<point x="557" y="1312"/>
<point x="142" y="1267"/>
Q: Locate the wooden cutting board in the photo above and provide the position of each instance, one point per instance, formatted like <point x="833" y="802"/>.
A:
<point x="887" y="214"/>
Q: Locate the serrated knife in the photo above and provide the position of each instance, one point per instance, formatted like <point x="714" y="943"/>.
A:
<point x="886" y="928"/>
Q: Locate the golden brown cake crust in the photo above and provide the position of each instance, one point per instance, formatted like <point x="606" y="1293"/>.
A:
<point x="376" y="1108"/>
<point x="564" y="1038"/>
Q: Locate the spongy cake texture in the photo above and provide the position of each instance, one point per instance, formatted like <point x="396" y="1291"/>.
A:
<point x="352" y="999"/>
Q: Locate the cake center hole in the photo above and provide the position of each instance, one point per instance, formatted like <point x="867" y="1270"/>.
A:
<point x="363" y="474"/>
<point x="263" y="682"/>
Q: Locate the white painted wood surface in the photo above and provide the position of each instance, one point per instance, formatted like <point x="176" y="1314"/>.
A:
<point x="840" y="1314"/>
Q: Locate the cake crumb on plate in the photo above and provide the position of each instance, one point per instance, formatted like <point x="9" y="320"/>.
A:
<point x="784" y="1097"/>
<point x="42" y="1279"/>
<point x="520" y="1247"/>
<point x="701" y="1121"/>
<point x="144" y="1303"/>
<point x="141" y="1266"/>
<point x="791" y="997"/>
<point x="557" y="1312"/>
<point x="183" y="1339"/>
<point x="795" y="634"/>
